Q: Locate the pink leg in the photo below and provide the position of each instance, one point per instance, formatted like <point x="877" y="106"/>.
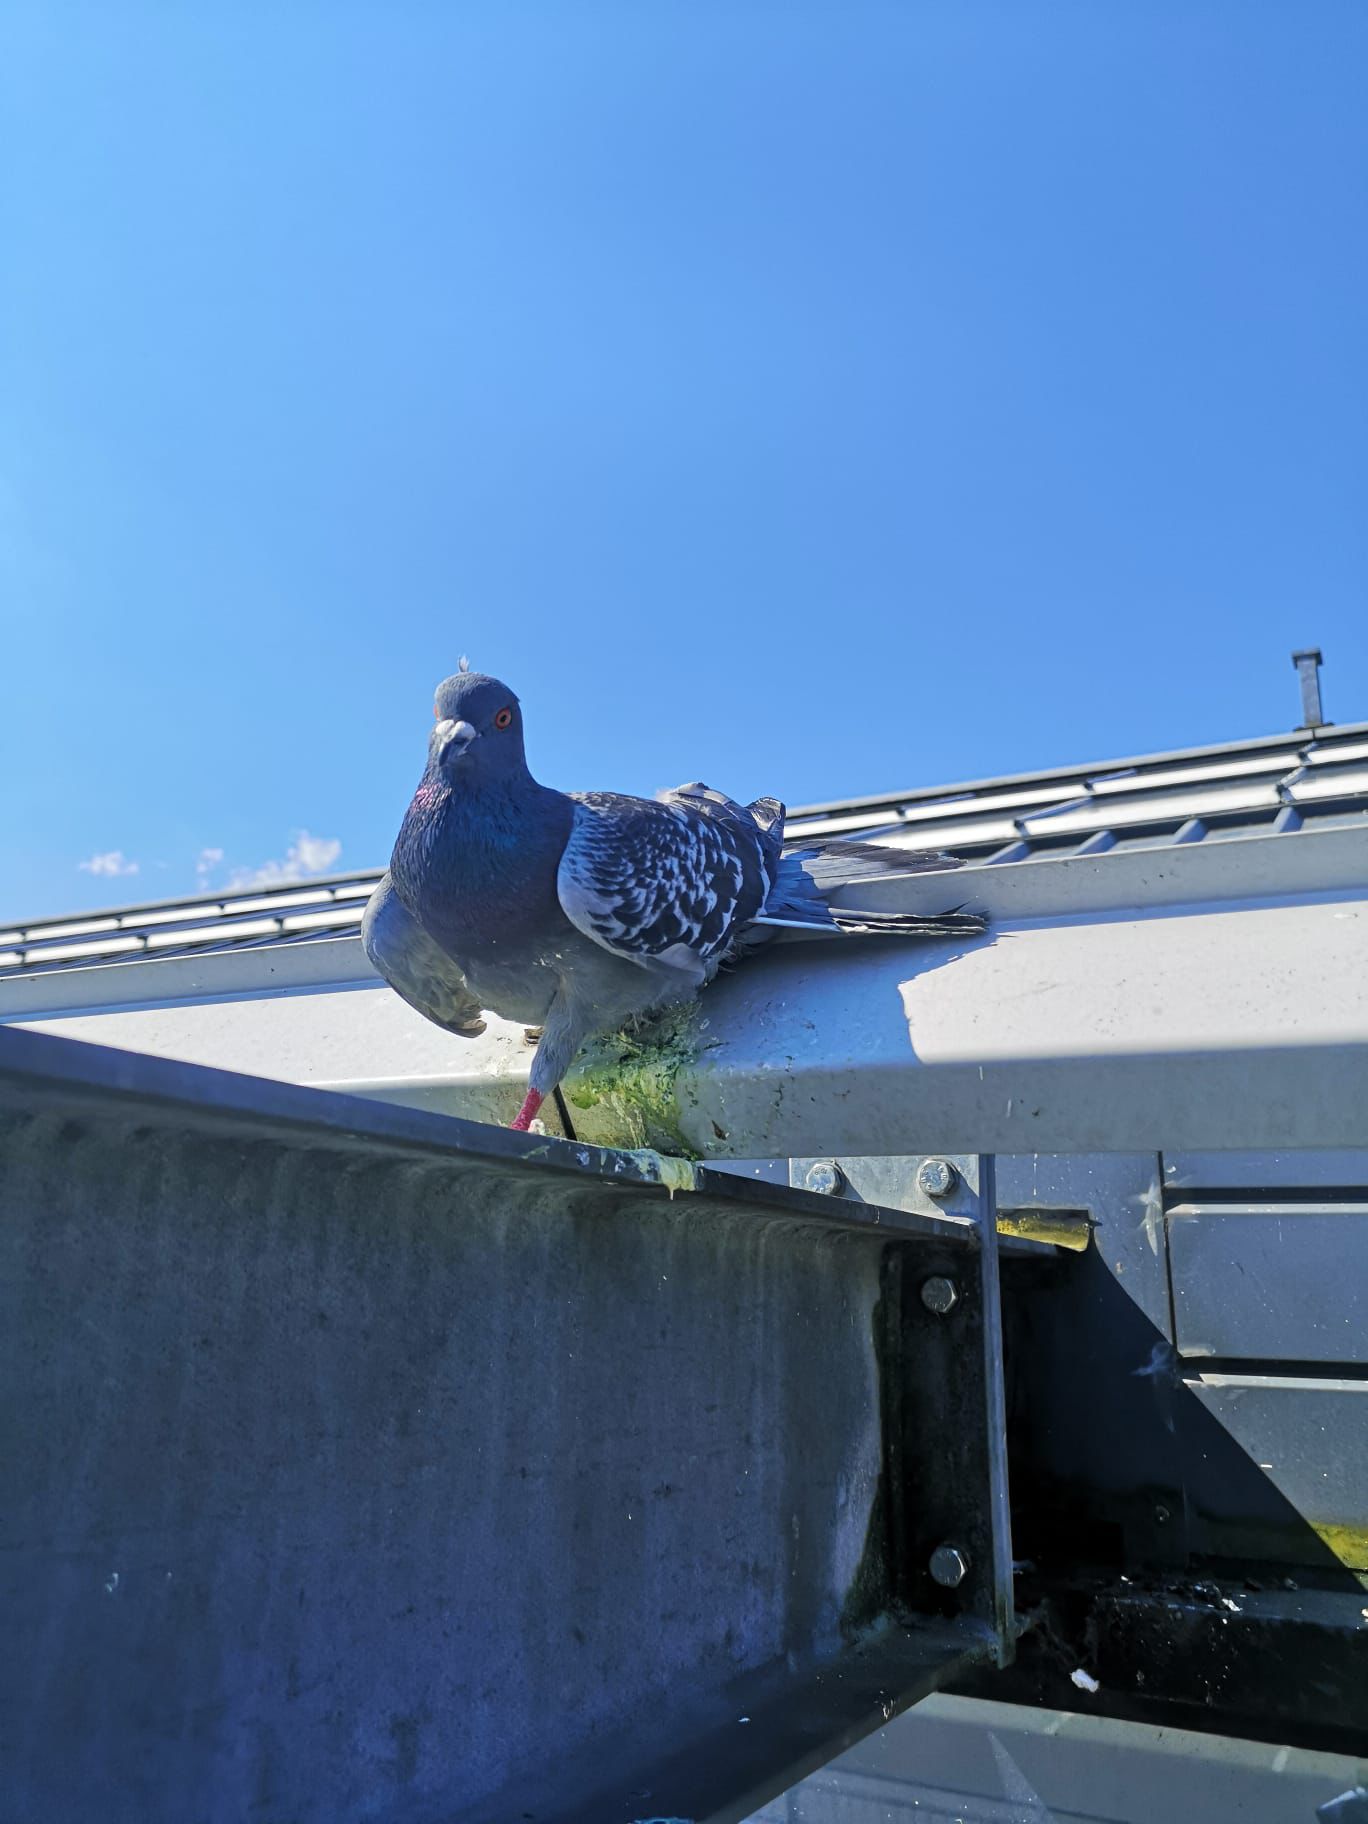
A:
<point x="527" y="1113"/>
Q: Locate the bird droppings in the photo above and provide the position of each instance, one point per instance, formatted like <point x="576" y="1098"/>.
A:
<point x="663" y="1168"/>
<point x="1063" y="1228"/>
<point x="1084" y="1680"/>
<point x="630" y="1080"/>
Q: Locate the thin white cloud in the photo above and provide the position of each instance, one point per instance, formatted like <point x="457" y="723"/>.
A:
<point x="113" y="863"/>
<point x="306" y="855"/>
<point x="208" y="860"/>
<point x="315" y="854"/>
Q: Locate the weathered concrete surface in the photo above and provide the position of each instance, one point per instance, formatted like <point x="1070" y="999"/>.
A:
<point x="346" y="1482"/>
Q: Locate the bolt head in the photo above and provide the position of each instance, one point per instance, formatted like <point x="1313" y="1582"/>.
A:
<point x="949" y="1566"/>
<point x="825" y="1176"/>
<point x="936" y="1177"/>
<point x="939" y="1295"/>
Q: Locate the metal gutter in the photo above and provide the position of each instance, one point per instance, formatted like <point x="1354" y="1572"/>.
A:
<point x="1293" y="864"/>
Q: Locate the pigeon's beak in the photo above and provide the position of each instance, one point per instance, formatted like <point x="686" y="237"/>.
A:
<point x="452" y="738"/>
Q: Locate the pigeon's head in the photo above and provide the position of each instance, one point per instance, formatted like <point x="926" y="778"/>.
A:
<point x="478" y="731"/>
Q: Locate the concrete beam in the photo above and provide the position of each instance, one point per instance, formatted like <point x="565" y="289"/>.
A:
<point x="365" y="1464"/>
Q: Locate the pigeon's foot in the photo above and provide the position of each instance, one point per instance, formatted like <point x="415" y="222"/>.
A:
<point x="527" y="1113"/>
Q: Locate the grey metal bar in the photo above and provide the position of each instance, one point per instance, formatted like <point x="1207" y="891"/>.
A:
<point x="995" y="1411"/>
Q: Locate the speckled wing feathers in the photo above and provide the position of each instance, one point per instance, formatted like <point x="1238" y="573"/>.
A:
<point x="646" y="877"/>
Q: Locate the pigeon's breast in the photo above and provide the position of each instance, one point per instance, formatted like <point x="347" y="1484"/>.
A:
<point x="483" y="886"/>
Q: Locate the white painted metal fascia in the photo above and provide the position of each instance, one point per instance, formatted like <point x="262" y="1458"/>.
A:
<point x="1231" y="1020"/>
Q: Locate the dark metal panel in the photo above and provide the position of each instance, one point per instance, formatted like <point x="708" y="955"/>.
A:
<point x="1119" y="1458"/>
<point x="369" y="1464"/>
<point x="1271" y="1282"/>
<point x="1337" y="1169"/>
<point x="1121" y="1196"/>
<point x="1308" y="1439"/>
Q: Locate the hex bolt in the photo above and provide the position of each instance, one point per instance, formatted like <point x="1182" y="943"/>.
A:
<point x="949" y="1566"/>
<point x="825" y="1176"/>
<point x="940" y="1295"/>
<point x="936" y="1177"/>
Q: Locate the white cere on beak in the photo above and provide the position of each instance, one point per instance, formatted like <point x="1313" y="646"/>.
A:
<point x="450" y="733"/>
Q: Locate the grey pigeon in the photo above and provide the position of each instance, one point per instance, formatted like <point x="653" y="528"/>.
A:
<point x="575" y="912"/>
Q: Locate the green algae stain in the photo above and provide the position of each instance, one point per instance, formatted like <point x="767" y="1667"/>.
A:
<point x="630" y="1081"/>
<point x="1348" y="1543"/>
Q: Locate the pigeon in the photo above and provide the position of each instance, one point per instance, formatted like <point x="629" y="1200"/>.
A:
<point x="575" y="913"/>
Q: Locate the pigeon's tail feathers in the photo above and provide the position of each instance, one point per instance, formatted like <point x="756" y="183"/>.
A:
<point x="835" y="861"/>
<point x="855" y="923"/>
<point x="807" y="876"/>
<point x="849" y="921"/>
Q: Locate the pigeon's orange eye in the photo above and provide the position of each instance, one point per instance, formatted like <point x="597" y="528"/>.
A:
<point x="504" y="717"/>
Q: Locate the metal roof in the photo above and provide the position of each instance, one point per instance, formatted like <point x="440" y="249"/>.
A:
<point x="1313" y="779"/>
<point x="330" y="906"/>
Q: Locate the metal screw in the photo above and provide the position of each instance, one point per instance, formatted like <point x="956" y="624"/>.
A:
<point x="939" y="1295"/>
<point x="936" y="1177"/>
<point x="949" y="1567"/>
<point x="826" y="1176"/>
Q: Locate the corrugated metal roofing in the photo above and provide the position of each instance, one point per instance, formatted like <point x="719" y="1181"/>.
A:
<point x="1276" y="785"/>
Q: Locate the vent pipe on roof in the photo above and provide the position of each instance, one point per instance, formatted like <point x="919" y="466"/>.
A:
<point x="1308" y="664"/>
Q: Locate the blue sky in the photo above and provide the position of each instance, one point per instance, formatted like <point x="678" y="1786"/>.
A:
<point x="815" y="399"/>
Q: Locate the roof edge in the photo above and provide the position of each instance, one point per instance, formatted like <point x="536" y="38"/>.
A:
<point x="1092" y="769"/>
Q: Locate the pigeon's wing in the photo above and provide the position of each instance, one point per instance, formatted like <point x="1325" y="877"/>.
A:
<point x="671" y="880"/>
<point x="414" y="967"/>
<point x="764" y="818"/>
